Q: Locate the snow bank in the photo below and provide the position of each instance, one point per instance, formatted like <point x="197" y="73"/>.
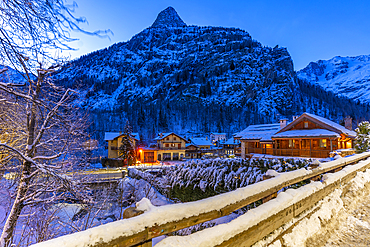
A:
<point x="308" y="227"/>
<point x="218" y="234"/>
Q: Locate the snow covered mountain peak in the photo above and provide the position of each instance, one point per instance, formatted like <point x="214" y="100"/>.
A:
<point x="168" y="18"/>
<point x="344" y="76"/>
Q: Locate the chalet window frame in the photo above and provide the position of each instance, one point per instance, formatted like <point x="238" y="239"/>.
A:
<point x="323" y="143"/>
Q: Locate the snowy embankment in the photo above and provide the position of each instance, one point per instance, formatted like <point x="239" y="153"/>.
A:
<point x="208" y="237"/>
<point x="221" y="233"/>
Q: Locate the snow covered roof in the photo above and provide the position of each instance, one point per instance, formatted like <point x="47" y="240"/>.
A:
<point x="332" y="124"/>
<point x="230" y="141"/>
<point x="190" y="144"/>
<point x="306" y="133"/>
<point x="213" y="133"/>
<point x="136" y="136"/>
<point x="109" y="136"/>
<point x="164" y="135"/>
<point x="262" y="132"/>
<point x="323" y="121"/>
<point x="201" y="141"/>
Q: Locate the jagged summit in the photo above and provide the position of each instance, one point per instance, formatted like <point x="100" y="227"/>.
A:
<point x="168" y="18"/>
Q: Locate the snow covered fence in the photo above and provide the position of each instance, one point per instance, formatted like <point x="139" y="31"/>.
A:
<point x="162" y="220"/>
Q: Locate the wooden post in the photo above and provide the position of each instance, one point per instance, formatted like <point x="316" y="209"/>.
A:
<point x="314" y="165"/>
<point x="331" y="146"/>
<point x="272" y="196"/>
<point x="310" y="147"/>
<point x="292" y="146"/>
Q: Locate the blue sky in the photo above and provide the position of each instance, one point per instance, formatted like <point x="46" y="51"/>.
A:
<point x="311" y="30"/>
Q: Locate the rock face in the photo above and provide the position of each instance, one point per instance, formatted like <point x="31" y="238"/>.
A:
<point x="191" y="79"/>
<point x="168" y="18"/>
<point x="344" y="76"/>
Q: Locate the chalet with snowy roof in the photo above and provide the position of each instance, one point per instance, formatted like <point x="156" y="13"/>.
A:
<point x="170" y="146"/>
<point x="313" y="136"/>
<point x="306" y="136"/>
<point x="230" y="146"/>
<point x="197" y="147"/>
<point x="202" y="143"/>
<point x="257" y="139"/>
<point x="114" y="140"/>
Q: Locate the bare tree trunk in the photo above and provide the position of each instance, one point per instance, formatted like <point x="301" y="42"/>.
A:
<point x="11" y="222"/>
<point x="24" y="183"/>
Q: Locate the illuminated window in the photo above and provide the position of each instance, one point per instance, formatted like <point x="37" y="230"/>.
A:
<point x="349" y="144"/>
<point x="291" y="143"/>
<point x="167" y="145"/>
<point x="322" y="143"/>
<point x="306" y="124"/>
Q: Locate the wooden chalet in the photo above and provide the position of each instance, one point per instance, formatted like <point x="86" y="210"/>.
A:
<point x="230" y="146"/>
<point x="257" y="139"/>
<point x="313" y="136"/>
<point x="306" y="136"/>
<point x="170" y="146"/>
<point x="199" y="147"/>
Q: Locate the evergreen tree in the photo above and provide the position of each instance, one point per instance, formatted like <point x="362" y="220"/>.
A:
<point x="208" y="89"/>
<point x="232" y="65"/>
<point x="162" y="120"/>
<point x="141" y="118"/>
<point x="127" y="149"/>
<point x="362" y="140"/>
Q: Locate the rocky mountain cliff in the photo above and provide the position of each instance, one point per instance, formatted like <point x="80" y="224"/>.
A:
<point x="344" y="76"/>
<point x="192" y="79"/>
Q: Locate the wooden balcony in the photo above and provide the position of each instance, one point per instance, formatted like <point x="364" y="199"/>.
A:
<point x="291" y="152"/>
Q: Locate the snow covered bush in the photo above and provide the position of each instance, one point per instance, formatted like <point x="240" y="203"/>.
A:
<point x="196" y="180"/>
<point x="362" y="140"/>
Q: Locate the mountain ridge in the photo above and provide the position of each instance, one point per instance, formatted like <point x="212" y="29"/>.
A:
<point x="344" y="76"/>
<point x="192" y="79"/>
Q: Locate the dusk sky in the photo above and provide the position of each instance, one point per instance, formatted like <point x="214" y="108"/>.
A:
<point x="311" y="30"/>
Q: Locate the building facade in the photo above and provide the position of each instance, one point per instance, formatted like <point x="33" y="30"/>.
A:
<point x="308" y="135"/>
<point x="114" y="140"/>
<point x="170" y="146"/>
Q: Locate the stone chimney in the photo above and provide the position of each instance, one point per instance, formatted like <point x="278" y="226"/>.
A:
<point x="348" y="123"/>
<point x="161" y="135"/>
<point x="283" y="123"/>
<point x="295" y="117"/>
